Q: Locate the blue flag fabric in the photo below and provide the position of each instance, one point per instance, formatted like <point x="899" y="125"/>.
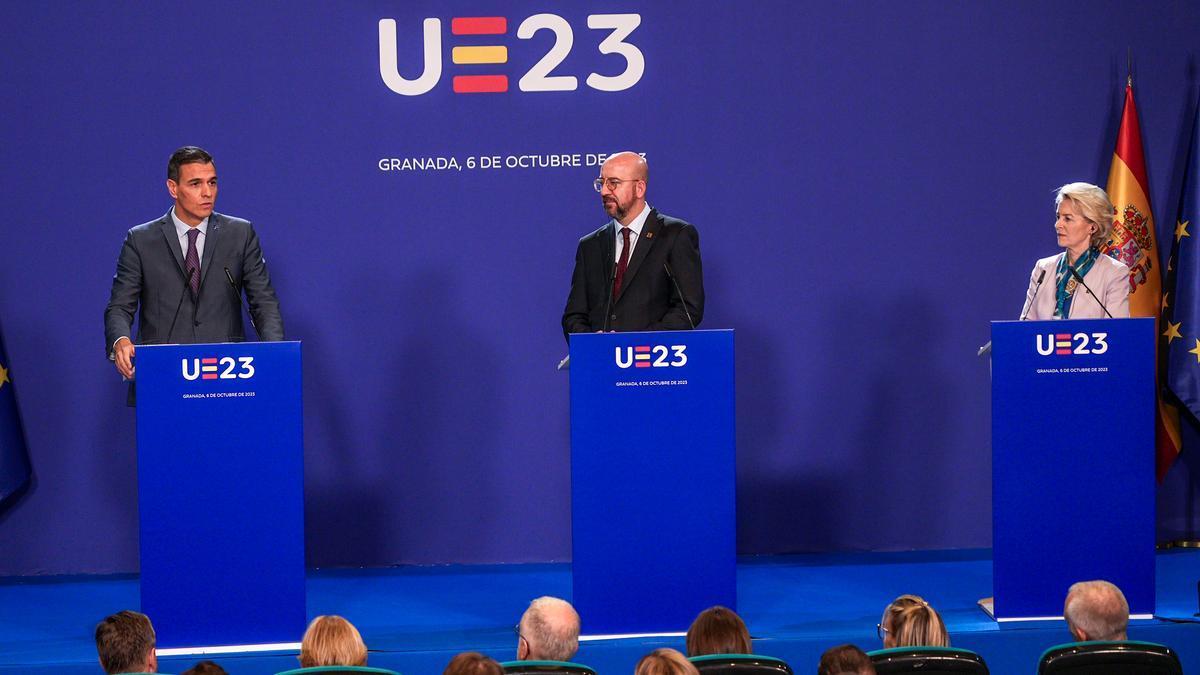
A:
<point x="1181" y="331"/>
<point x="14" y="458"/>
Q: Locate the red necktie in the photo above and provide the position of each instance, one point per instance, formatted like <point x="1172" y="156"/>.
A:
<point x="623" y="263"/>
<point x="192" y="262"/>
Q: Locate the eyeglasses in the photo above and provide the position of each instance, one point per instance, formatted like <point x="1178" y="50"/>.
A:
<point x="880" y="630"/>
<point x="612" y="183"/>
<point x="517" y="630"/>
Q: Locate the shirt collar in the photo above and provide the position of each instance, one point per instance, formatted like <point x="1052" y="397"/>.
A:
<point x="181" y="227"/>
<point x="638" y="223"/>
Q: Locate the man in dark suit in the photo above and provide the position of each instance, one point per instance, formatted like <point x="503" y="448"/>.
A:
<point x="172" y="272"/>
<point x="641" y="270"/>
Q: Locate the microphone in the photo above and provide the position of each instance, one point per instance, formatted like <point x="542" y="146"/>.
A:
<point x="682" y="298"/>
<point x="187" y="286"/>
<point x="608" y="298"/>
<point x="241" y="300"/>
<point x="1032" y="298"/>
<point x="1085" y="287"/>
<point x="1037" y="286"/>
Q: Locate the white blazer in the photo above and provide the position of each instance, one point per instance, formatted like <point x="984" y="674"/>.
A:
<point x="1108" y="279"/>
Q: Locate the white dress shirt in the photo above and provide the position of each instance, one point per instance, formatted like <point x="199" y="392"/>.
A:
<point x="181" y="230"/>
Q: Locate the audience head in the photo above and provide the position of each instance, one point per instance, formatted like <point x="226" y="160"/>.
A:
<point x="549" y="631"/>
<point x="910" y="622"/>
<point x="718" y="630"/>
<point x="332" y="641"/>
<point x="845" y="660"/>
<point x="472" y="663"/>
<point x="1096" y="610"/>
<point x="205" y="668"/>
<point x="125" y="643"/>
<point x="665" y="662"/>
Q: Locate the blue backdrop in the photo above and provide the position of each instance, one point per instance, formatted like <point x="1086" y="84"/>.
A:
<point x="872" y="182"/>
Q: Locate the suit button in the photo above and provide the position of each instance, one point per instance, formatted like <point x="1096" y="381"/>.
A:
<point x="613" y="317"/>
<point x="197" y="323"/>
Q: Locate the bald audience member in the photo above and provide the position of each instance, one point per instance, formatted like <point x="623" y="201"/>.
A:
<point x="549" y="631"/>
<point x="125" y="643"/>
<point x="1096" y="610"/>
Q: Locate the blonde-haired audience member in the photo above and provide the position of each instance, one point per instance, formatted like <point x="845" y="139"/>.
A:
<point x="910" y="622"/>
<point x="332" y="641"/>
<point x="665" y="662"/>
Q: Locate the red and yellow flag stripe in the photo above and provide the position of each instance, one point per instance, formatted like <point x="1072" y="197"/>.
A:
<point x="1133" y="243"/>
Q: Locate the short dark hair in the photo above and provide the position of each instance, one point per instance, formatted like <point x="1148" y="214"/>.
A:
<point x="188" y="154"/>
<point x="718" y="630"/>
<point x="472" y="663"/>
<point x="845" y="659"/>
<point x="205" y="668"/>
<point x="124" y="642"/>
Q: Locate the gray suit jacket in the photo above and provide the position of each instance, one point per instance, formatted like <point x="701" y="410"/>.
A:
<point x="150" y="280"/>
<point x="1108" y="279"/>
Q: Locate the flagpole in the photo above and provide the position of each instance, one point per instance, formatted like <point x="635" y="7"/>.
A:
<point x="1128" y="66"/>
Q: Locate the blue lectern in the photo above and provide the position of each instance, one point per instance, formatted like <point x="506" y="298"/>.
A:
<point x="1072" y="462"/>
<point x="652" y="478"/>
<point x="221" y="492"/>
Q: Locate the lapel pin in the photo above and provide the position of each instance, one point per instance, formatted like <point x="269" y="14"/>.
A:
<point x="649" y="235"/>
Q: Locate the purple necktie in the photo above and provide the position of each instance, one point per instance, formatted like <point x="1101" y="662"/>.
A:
<point x="192" y="262"/>
<point x="624" y="262"/>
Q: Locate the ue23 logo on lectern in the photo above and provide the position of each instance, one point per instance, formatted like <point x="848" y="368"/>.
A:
<point x="647" y="356"/>
<point x="1066" y="343"/>
<point x="540" y="77"/>
<point x="214" y="368"/>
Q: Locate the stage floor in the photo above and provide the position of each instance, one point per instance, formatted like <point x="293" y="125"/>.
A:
<point x="414" y="619"/>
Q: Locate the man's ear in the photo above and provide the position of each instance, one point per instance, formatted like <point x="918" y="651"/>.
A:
<point x="173" y="188"/>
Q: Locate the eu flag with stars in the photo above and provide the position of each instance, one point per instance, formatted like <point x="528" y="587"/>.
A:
<point x="1181" y="309"/>
<point x="14" y="459"/>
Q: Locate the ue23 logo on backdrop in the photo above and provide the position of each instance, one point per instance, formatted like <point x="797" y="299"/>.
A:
<point x="540" y="77"/>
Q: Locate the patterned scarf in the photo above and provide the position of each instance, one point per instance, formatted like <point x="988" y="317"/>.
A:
<point x="1066" y="283"/>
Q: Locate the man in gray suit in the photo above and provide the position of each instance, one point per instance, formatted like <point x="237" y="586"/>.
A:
<point x="186" y="272"/>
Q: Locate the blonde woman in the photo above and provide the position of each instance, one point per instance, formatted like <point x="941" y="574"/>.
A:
<point x="332" y="641"/>
<point x="1083" y="220"/>
<point x="910" y="622"/>
<point x="665" y="662"/>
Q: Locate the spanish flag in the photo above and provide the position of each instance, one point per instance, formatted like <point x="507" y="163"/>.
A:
<point x="1132" y="243"/>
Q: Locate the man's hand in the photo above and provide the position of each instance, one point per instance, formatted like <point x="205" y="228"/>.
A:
<point x="123" y="357"/>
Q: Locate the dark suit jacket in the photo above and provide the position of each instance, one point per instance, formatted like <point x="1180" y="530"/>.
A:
<point x="150" y="280"/>
<point x="648" y="300"/>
